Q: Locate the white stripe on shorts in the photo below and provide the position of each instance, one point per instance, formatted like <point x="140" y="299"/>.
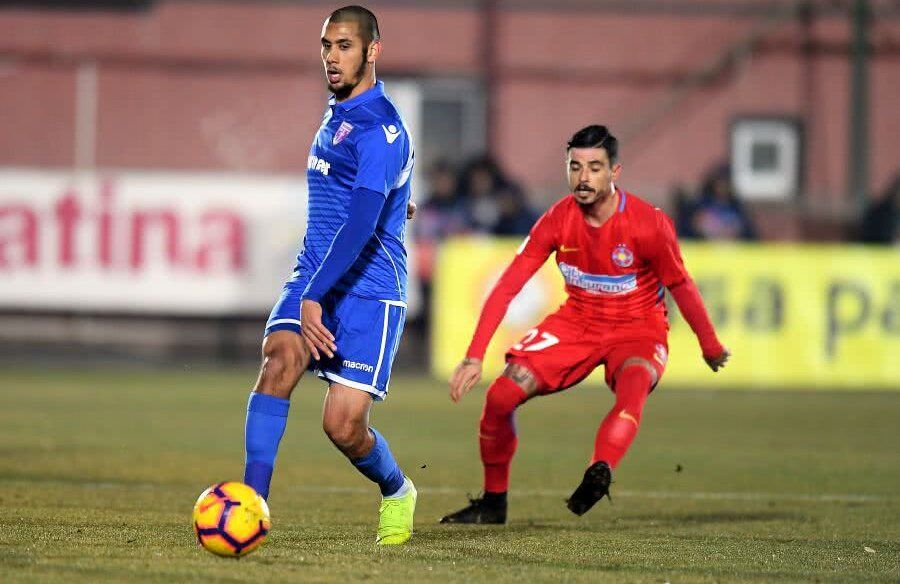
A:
<point x="394" y="302"/>
<point x="384" y="329"/>
<point x="283" y="321"/>
<point x="350" y="383"/>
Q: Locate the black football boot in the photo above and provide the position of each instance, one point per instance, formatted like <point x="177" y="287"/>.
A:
<point x="488" y="509"/>
<point x="594" y="486"/>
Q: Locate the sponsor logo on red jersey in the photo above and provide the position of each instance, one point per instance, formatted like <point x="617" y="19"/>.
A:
<point x="598" y="283"/>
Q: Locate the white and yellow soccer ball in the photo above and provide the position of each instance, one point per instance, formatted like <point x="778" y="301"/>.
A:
<point x="231" y="519"/>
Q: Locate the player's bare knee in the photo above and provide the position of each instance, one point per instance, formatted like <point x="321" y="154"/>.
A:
<point x="348" y="436"/>
<point x="282" y="366"/>
<point x="641" y="363"/>
<point x="523" y="377"/>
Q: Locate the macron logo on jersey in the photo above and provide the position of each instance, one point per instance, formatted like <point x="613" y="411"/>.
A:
<point x="318" y="164"/>
<point x="390" y="133"/>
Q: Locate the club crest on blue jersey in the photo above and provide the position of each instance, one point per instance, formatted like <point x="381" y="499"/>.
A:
<point x="342" y="132"/>
<point x="622" y="256"/>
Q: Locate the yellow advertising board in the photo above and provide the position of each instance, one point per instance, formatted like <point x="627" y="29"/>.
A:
<point x="794" y="316"/>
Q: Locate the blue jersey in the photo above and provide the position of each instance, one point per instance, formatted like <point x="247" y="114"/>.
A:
<point x="362" y="143"/>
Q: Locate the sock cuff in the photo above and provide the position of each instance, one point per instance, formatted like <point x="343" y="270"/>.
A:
<point x="268" y="404"/>
<point x="503" y="396"/>
<point x="401" y="492"/>
<point x="375" y="452"/>
<point x="508" y="385"/>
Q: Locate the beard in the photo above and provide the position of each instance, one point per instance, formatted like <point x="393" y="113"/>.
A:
<point x="342" y="92"/>
<point x="591" y="195"/>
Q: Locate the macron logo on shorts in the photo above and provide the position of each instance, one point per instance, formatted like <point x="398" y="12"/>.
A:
<point x="361" y="366"/>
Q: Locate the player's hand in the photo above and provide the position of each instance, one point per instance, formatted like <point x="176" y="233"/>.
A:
<point x="464" y="378"/>
<point x="315" y="334"/>
<point x="410" y="209"/>
<point x="716" y="363"/>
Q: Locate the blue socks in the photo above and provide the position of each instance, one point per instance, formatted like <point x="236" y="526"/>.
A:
<point x="266" y="420"/>
<point x="379" y="466"/>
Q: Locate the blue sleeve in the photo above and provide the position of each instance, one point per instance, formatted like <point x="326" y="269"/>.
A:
<point x="348" y="242"/>
<point x="381" y="159"/>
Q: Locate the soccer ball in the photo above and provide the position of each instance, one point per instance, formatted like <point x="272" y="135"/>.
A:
<point x="231" y="519"/>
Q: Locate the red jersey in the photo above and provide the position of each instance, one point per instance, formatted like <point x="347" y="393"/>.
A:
<point x="615" y="273"/>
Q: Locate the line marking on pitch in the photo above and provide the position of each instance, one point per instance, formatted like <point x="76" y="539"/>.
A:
<point x="427" y="490"/>
<point x="696" y="495"/>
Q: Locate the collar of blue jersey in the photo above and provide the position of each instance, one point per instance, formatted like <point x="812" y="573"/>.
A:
<point x="364" y="97"/>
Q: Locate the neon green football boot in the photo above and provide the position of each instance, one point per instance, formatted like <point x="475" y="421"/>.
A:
<point x="395" y="517"/>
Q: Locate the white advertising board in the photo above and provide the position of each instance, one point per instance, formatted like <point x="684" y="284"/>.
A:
<point x="147" y="242"/>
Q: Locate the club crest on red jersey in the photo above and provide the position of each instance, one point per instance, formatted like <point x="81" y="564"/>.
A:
<point x="622" y="256"/>
<point x="341" y="133"/>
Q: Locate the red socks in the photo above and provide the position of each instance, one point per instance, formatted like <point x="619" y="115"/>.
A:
<point x="497" y="433"/>
<point x="621" y="424"/>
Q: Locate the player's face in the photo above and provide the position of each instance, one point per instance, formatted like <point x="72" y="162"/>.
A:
<point x="591" y="176"/>
<point x="346" y="57"/>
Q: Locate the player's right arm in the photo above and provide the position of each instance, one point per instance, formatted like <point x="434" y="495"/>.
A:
<point x="538" y="246"/>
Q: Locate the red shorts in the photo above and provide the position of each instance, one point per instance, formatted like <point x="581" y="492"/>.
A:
<point x="564" y="348"/>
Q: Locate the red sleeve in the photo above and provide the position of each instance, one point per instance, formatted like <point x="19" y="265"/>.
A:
<point x="668" y="265"/>
<point x="535" y="250"/>
<point x="664" y="253"/>
<point x="690" y="303"/>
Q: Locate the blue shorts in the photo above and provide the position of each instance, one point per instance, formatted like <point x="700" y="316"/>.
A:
<point x="366" y="331"/>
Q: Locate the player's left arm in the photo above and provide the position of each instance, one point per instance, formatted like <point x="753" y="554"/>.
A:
<point x="380" y="166"/>
<point x="668" y="265"/>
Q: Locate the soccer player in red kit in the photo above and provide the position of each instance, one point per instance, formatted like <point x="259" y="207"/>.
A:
<point x="616" y="253"/>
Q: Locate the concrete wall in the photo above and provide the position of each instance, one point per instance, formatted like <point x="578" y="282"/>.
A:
<point x="238" y="86"/>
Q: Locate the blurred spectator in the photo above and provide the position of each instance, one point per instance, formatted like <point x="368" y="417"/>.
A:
<point x="684" y="211"/>
<point x="438" y="218"/>
<point x="717" y="213"/>
<point x="478" y="183"/>
<point x="516" y="217"/>
<point x="492" y="203"/>
<point x="881" y="219"/>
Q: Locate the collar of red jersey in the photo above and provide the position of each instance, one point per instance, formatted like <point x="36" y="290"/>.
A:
<point x="622" y="198"/>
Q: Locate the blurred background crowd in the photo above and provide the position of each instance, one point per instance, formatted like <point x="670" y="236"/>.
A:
<point x="479" y="198"/>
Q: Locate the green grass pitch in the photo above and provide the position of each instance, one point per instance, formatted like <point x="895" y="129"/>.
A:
<point x="99" y="471"/>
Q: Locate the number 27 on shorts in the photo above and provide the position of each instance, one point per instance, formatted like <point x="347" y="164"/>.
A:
<point x="536" y="341"/>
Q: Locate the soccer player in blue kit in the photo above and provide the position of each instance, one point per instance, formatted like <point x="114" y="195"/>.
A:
<point x="342" y="312"/>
